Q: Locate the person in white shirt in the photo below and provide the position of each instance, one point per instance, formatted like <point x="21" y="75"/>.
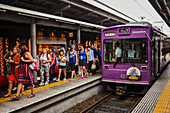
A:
<point x="45" y="60"/>
<point x="118" y="52"/>
<point x="91" y="59"/>
<point x="131" y="52"/>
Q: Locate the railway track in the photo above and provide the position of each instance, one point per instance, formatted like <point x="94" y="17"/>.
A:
<point x="112" y="103"/>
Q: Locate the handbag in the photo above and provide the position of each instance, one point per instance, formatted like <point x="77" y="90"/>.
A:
<point x="9" y="69"/>
<point x="93" y="66"/>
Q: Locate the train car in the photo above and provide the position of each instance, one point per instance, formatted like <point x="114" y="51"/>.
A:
<point x="131" y="56"/>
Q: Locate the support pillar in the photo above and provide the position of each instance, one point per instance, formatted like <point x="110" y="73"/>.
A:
<point x="34" y="45"/>
<point x="33" y="38"/>
<point x="78" y="35"/>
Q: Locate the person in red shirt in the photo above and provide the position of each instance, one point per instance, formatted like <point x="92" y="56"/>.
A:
<point x="52" y="64"/>
<point x="15" y="61"/>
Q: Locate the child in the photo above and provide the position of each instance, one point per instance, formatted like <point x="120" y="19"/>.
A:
<point x="62" y="65"/>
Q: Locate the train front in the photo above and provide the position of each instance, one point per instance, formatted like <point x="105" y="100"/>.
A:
<point x="126" y="64"/>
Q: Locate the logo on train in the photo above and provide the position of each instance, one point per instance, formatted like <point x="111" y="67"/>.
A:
<point x="133" y="73"/>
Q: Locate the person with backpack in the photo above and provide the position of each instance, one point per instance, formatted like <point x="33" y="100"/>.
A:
<point x="45" y="60"/>
<point x="53" y="57"/>
<point x="73" y="61"/>
<point x="15" y="61"/>
<point x="83" y="60"/>
<point x="62" y="65"/>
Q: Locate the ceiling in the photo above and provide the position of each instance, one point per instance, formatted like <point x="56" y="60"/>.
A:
<point x="75" y="9"/>
<point x="163" y="8"/>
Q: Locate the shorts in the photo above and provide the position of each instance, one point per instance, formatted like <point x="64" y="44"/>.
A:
<point x="72" y="66"/>
<point x="62" y="67"/>
<point x="83" y="62"/>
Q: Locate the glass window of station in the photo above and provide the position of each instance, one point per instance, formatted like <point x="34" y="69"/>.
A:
<point x="128" y="50"/>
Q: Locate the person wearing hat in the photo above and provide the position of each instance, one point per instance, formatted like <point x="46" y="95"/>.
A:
<point x="73" y="61"/>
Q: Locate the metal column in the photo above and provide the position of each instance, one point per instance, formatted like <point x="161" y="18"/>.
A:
<point x="33" y="38"/>
<point x="78" y="35"/>
<point x="34" y="45"/>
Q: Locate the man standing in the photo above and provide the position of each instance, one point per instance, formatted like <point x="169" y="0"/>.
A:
<point x="95" y="56"/>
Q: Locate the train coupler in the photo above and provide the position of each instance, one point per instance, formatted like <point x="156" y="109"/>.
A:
<point x="120" y="90"/>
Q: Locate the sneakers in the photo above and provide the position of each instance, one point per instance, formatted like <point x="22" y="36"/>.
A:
<point x="87" y="75"/>
<point x="64" y="79"/>
<point x="81" y="77"/>
<point x="46" y="83"/>
<point x="14" y="88"/>
<point x="75" y="76"/>
<point x="58" y="80"/>
<point x="71" y="79"/>
<point x="41" y="84"/>
<point x="54" y="79"/>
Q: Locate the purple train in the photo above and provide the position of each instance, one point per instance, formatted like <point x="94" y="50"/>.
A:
<point x="132" y="56"/>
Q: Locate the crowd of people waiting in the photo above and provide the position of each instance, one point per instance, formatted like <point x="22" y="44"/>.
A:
<point x="84" y="61"/>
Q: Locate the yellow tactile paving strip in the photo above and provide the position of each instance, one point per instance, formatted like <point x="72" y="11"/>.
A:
<point x="163" y="104"/>
<point x="40" y="88"/>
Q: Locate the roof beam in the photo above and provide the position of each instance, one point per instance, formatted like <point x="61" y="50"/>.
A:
<point x="95" y="11"/>
<point x="166" y="6"/>
<point x="161" y="9"/>
<point x="50" y="16"/>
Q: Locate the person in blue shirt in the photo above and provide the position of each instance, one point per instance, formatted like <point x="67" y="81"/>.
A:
<point x="100" y="55"/>
<point x="73" y="61"/>
<point x="83" y="60"/>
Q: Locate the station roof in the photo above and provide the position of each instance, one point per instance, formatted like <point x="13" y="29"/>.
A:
<point x="73" y="9"/>
<point x="163" y="8"/>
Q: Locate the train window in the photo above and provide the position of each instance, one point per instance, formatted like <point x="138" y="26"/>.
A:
<point x="113" y="50"/>
<point x="136" y="51"/>
<point x="126" y="51"/>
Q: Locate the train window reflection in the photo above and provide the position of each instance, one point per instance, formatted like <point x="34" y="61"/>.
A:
<point x="126" y="51"/>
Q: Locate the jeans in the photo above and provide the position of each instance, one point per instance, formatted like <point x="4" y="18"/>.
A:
<point x="90" y="64"/>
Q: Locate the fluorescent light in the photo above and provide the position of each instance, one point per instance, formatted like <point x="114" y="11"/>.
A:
<point x="33" y="16"/>
<point x="2" y="10"/>
<point x="65" y="21"/>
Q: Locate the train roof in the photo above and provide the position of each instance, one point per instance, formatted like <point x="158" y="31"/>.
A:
<point x="138" y="24"/>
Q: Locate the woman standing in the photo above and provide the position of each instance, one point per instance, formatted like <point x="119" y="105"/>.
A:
<point x="83" y="60"/>
<point x="25" y="73"/>
<point x="62" y="65"/>
<point x="45" y="60"/>
<point x="15" y="61"/>
<point x="53" y="57"/>
<point x="73" y="61"/>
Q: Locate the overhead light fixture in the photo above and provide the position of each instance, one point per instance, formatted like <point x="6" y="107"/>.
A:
<point x="65" y="21"/>
<point x="85" y="25"/>
<point x="1" y="10"/>
<point x="33" y="16"/>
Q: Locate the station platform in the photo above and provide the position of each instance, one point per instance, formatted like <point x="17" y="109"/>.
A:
<point x="157" y="99"/>
<point x="51" y="94"/>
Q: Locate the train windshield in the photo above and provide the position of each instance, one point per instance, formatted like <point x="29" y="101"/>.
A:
<point x="126" y="51"/>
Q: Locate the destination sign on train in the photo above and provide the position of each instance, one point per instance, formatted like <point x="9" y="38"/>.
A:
<point x="123" y="30"/>
<point x="110" y="34"/>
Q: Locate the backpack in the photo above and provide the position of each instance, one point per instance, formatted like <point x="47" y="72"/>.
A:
<point x="46" y="56"/>
<point x="34" y="66"/>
